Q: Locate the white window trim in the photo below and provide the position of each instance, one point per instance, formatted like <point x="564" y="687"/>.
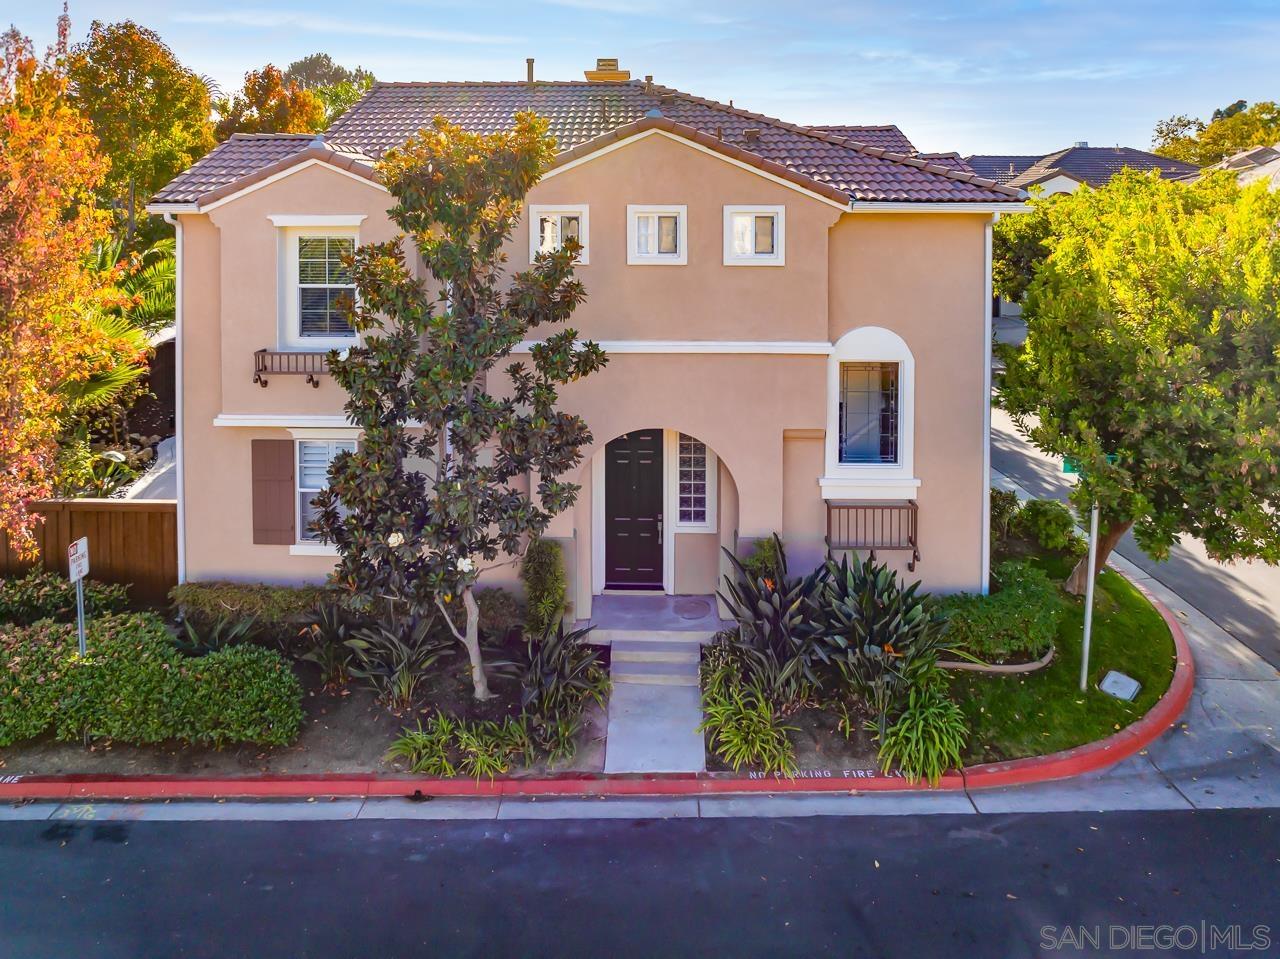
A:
<point x="871" y="481"/>
<point x="779" y="255"/>
<point x="309" y="547"/>
<point x="581" y="210"/>
<point x="672" y="457"/>
<point x="287" y="335"/>
<point x="680" y="257"/>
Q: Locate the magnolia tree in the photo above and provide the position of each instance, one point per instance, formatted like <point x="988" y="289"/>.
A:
<point x="1153" y="360"/>
<point x="425" y="383"/>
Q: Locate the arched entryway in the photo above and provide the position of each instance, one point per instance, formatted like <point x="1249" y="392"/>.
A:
<point x="662" y="505"/>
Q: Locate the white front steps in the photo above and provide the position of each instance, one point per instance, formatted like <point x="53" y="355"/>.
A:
<point x="611" y="637"/>
<point x="654" y="662"/>
<point x="654" y="651"/>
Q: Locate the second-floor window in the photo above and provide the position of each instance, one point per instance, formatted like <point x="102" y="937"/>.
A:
<point x="324" y="284"/>
<point x="550" y="226"/>
<point x="754" y="236"/>
<point x="657" y="235"/>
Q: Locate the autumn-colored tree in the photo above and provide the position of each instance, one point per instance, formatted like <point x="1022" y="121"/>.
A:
<point x="1232" y="129"/>
<point x="426" y="383"/>
<point x="270" y="103"/>
<point x="1153" y="360"/>
<point x="149" y="112"/>
<point x="50" y="297"/>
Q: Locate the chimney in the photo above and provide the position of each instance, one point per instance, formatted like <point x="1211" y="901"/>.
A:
<point x="1080" y="143"/>
<point x="751" y="135"/>
<point x="607" y="71"/>
<point x="528" y="66"/>
<point x="648" y="83"/>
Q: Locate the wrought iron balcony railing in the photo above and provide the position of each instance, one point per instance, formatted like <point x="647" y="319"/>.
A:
<point x="267" y="363"/>
<point x="875" y="527"/>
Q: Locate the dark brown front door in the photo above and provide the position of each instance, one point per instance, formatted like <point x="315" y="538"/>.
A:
<point x="633" y="511"/>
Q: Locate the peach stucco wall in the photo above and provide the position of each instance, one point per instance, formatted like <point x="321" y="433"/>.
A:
<point x="764" y="415"/>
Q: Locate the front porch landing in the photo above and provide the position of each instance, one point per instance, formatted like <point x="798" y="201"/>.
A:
<point x="655" y="617"/>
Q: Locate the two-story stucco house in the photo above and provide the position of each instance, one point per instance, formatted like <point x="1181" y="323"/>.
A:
<point x="798" y="327"/>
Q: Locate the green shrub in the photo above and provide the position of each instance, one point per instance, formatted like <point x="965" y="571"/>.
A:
<point x="393" y="655"/>
<point x="743" y="725"/>
<point x="1004" y="509"/>
<point x="884" y="639"/>
<point x="500" y="612"/>
<point x="927" y="737"/>
<point x="767" y="559"/>
<point x="323" y="641"/>
<point x="542" y="572"/>
<point x="561" y="675"/>
<point x="1048" y="523"/>
<point x="1019" y="618"/>
<point x="274" y="608"/>
<point x="199" y="640"/>
<point x="135" y="687"/>
<point x="41" y="594"/>
<point x="447" y="747"/>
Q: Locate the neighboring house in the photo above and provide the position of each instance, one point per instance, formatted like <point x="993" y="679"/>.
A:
<point x="1065" y="170"/>
<point x="797" y="328"/>
<point x="1254" y="164"/>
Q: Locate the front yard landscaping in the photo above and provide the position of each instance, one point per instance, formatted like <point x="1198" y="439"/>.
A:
<point x="846" y="671"/>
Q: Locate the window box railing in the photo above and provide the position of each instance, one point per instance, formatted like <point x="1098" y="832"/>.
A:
<point x="875" y="527"/>
<point x="280" y="363"/>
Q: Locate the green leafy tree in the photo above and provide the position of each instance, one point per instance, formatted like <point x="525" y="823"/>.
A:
<point x="1018" y="247"/>
<point x="425" y="382"/>
<point x="1154" y="338"/>
<point x="336" y="86"/>
<point x="1232" y="129"/>
<point x="149" y="112"/>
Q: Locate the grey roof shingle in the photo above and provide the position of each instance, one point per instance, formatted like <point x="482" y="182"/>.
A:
<point x="1092" y="165"/>
<point x="581" y="112"/>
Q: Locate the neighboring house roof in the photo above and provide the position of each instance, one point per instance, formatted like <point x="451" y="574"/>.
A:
<point x="587" y="115"/>
<point x="1256" y="163"/>
<point x="1002" y="168"/>
<point x="885" y="135"/>
<point x="1085" y="164"/>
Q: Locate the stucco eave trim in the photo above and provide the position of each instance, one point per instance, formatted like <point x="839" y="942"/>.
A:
<point x="942" y="206"/>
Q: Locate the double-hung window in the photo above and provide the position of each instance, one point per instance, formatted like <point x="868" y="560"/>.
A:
<point x="550" y="226"/>
<point x="657" y="235"/>
<point x="314" y="458"/>
<point x="869" y="413"/>
<point x="316" y="285"/>
<point x="754" y="236"/>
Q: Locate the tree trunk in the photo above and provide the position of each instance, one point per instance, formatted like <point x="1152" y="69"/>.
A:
<point x="471" y="641"/>
<point x="1107" y="540"/>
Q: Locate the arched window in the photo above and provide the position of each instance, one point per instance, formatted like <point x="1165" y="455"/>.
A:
<point x="870" y="417"/>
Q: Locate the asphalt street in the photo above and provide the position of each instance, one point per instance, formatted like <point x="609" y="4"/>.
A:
<point x="997" y="885"/>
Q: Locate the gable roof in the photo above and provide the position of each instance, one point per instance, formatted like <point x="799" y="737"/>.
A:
<point x="885" y="135"/>
<point x="1002" y="168"/>
<point x="1092" y="165"/>
<point x="581" y="113"/>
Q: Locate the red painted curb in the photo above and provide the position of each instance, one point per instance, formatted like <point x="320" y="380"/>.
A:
<point x="1071" y="762"/>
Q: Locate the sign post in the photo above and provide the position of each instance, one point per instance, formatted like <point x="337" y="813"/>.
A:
<point x="77" y="570"/>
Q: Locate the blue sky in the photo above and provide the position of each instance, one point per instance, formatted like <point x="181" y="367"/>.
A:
<point x="983" y="76"/>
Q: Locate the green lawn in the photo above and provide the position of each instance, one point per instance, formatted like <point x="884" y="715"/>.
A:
<point x="1042" y="712"/>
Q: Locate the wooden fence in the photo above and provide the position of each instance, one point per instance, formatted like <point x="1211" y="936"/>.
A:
<point x="130" y="541"/>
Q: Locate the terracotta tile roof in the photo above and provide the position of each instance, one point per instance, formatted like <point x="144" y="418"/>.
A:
<point x="885" y="135"/>
<point x="583" y="113"/>
<point x="1092" y="165"/>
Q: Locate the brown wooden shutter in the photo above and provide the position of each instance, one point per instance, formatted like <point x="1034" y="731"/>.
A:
<point x="273" y="493"/>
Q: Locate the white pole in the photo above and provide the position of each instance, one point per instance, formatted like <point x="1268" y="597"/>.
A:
<point x="80" y="615"/>
<point x="1088" y="597"/>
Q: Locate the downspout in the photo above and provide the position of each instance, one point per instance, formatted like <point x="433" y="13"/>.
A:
<point x="178" y="407"/>
<point x="986" y="404"/>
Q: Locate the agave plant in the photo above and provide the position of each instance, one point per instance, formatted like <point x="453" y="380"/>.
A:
<point x="884" y="639"/>
<point x="777" y="631"/>
<point x="193" y="640"/>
